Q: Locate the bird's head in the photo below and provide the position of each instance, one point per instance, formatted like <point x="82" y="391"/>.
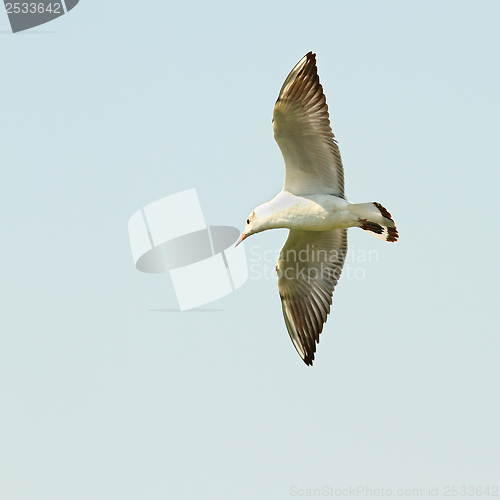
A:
<point x="255" y="223"/>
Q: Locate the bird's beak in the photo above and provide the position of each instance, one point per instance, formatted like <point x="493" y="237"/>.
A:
<point x="243" y="236"/>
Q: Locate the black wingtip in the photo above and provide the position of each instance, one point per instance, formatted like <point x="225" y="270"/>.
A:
<point x="308" y="360"/>
<point x="311" y="57"/>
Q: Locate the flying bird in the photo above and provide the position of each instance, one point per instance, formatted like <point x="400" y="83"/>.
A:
<point x="313" y="206"/>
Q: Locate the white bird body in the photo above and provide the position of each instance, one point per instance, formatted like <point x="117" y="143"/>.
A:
<point x="313" y="206"/>
<point x="317" y="212"/>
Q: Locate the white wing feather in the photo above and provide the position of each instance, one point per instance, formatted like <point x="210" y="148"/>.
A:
<point x="302" y="130"/>
<point x="308" y="269"/>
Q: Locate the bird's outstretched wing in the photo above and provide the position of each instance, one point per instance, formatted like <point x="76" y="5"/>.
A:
<point x="308" y="269"/>
<point x="302" y="130"/>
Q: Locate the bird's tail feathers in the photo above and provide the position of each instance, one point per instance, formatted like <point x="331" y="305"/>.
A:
<point x="375" y="219"/>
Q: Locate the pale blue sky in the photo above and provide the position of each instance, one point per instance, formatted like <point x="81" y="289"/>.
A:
<point x="124" y="103"/>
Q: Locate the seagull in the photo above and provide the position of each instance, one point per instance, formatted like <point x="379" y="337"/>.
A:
<point x="313" y="206"/>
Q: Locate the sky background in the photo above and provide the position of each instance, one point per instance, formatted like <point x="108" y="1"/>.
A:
<point x="105" y="395"/>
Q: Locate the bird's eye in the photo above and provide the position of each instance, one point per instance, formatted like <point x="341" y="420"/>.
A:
<point x="248" y="221"/>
